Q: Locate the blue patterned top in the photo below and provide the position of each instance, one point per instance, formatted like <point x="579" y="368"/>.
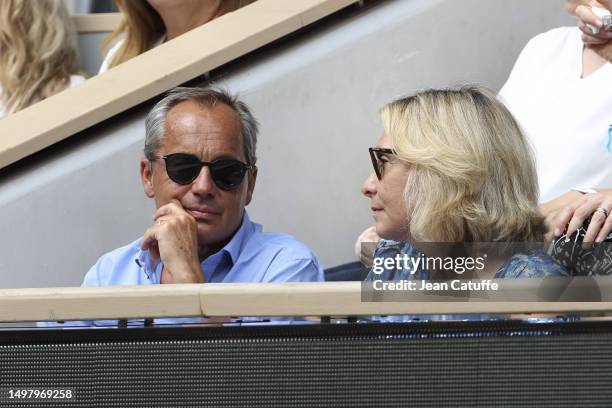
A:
<point x="533" y="264"/>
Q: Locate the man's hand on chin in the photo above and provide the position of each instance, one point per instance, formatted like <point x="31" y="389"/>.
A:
<point x="173" y="238"/>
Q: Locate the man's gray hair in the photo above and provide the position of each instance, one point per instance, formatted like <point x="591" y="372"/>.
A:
<point x="155" y="122"/>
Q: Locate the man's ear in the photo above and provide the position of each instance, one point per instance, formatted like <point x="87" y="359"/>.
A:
<point x="252" y="178"/>
<point x="146" y="177"/>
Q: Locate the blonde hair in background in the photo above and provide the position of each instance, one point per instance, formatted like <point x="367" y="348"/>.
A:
<point x="37" y="51"/>
<point x="142" y="27"/>
<point x="471" y="173"/>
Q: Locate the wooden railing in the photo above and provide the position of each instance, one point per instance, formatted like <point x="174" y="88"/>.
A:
<point x="234" y="299"/>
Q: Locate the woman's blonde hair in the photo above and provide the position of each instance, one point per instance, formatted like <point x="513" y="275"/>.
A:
<point x="37" y="51"/>
<point x="142" y="27"/>
<point x="471" y="173"/>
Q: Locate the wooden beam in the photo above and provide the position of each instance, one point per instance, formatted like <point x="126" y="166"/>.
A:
<point x="248" y="299"/>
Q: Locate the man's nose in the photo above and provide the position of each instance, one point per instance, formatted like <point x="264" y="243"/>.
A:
<point x="368" y="188"/>
<point x="203" y="184"/>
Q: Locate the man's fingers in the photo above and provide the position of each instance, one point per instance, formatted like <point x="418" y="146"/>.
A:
<point x="149" y="240"/>
<point x="154" y="252"/>
<point x="173" y="207"/>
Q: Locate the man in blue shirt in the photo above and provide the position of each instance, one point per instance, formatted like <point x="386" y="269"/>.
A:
<point x="199" y="167"/>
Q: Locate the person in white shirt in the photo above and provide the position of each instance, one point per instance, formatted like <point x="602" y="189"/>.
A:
<point x="37" y="53"/>
<point x="559" y="91"/>
<point x="149" y="23"/>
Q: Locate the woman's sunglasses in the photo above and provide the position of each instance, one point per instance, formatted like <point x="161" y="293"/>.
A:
<point x="379" y="158"/>
<point x="184" y="168"/>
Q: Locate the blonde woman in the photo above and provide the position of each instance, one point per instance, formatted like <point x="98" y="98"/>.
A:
<point x="558" y="92"/>
<point x="453" y="166"/>
<point x="37" y="52"/>
<point x="149" y="23"/>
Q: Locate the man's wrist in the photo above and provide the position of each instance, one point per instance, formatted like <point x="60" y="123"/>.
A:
<point x="195" y="275"/>
<point x="183" y="274"/>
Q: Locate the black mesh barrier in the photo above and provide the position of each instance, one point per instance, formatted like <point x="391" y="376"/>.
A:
<point x="461" y="364"/>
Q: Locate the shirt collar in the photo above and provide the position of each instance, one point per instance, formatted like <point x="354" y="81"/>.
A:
<point x="238" y="241"/>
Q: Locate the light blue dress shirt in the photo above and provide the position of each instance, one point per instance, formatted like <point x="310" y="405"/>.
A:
<point x="250" y="256"/>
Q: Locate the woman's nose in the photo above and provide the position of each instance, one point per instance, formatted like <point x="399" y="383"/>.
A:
<point x="368" y="188"/>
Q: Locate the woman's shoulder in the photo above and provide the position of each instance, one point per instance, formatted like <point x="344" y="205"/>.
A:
<point x="110" y="55"/>
<point x="533" y="264"/>
<point x="555" y="35"/>
<point x="112" y="52"/>
<point x="551" y="47"/>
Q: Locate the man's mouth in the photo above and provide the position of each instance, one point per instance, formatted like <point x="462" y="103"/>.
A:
<point x="203" y="214"/>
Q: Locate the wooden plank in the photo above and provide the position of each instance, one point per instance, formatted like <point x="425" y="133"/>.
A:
<point x="233" y="299"/>
<point x="139" y="79"/>
<point x="108" y="302"/>
<point x="344" y="299"/>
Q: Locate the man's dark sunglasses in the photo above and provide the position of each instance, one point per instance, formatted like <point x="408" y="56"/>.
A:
<point x="184" y="168"/>
<point x="378" y="156"/>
